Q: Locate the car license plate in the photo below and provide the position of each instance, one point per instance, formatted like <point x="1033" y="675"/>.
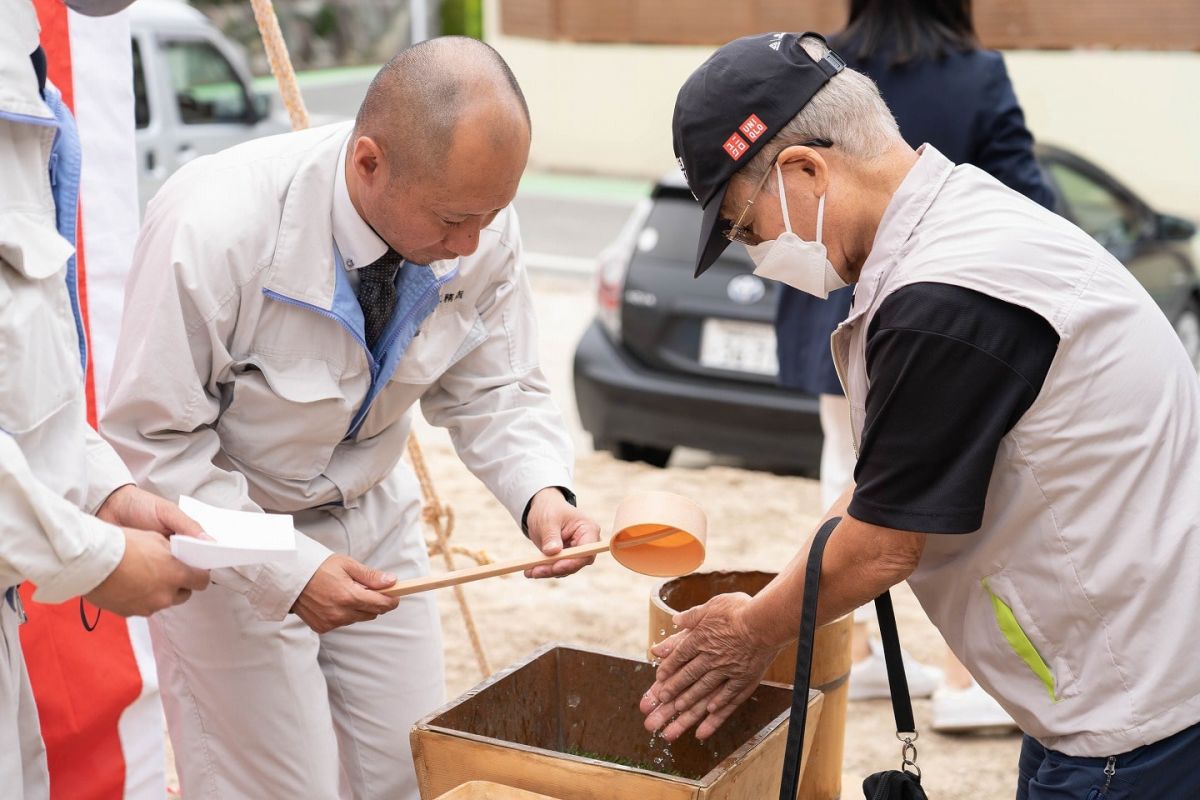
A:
<point x="738" y="346"/>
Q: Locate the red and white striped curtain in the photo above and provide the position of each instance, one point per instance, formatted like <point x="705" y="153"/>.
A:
<point x="97" y="693"/>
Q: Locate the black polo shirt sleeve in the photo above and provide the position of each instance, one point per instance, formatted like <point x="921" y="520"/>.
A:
<point x="951" y="372"/>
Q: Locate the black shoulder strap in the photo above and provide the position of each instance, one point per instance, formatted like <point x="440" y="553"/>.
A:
<point x="897" y="680"/>
<point x="901" y="704"/>
<point x="804" y="651"/>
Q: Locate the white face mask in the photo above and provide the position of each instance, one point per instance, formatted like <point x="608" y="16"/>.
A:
<point x="791" y="260"/>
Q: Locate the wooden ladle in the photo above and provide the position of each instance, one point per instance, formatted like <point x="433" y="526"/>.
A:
<point x="656" y="533"/>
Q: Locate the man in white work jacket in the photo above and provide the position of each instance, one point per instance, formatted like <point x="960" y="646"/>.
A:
<point x="70" y="519"/>
<point x="291" y="300"/>
<point x="1027" y="426"/>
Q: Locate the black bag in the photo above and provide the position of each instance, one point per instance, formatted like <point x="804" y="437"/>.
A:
<point x="894" y="785"/>
<point x="901" y="784"/>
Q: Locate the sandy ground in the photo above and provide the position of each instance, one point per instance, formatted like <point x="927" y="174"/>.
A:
<point x="757" y="520"/>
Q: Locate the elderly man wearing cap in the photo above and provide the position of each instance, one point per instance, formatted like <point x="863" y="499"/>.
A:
<point x="1027" y="428"/>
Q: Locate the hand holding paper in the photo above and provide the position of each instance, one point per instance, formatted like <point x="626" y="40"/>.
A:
<point x="236" y="538"/>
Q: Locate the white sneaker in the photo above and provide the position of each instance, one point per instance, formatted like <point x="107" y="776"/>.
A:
<point x="869" y="680"/>
<point x="970" y="710"/>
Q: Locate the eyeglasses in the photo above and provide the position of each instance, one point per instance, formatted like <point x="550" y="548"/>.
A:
<point x="737" y="232"/>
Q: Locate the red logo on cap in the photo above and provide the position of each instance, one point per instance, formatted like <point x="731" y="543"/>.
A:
<point x="752" y="128"/>
<point x="736" y="146"/>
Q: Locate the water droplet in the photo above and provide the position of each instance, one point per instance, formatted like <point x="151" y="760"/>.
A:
<point x="662" y="633"/>
<point x="573" y="701"/>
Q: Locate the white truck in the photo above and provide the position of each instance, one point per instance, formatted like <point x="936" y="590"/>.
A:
<point x="193" y="93"/>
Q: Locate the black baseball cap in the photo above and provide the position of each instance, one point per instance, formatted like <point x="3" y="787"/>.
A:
<point x="730" y="107"/>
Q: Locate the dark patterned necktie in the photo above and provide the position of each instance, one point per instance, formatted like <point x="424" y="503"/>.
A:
<point x="377" y="293"/>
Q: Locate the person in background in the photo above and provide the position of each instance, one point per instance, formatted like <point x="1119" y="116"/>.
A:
<point x="942" y="88"/>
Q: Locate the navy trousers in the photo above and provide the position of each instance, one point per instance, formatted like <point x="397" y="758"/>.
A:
<point x="1166" y="770"/>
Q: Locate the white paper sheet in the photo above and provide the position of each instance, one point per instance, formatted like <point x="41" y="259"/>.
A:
<point x="239" y="538"/>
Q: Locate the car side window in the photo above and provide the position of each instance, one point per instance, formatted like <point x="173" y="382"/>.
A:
<point x="1104" y="215"/>
<point x="141" y="102"/>
<point x="206" y="86"/>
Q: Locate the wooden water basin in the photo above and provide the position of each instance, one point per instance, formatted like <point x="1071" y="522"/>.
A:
<point x="565" y="722"/>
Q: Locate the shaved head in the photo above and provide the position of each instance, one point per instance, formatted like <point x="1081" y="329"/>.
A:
<point x="438" y="148"/>
<point x="417" y="102"/>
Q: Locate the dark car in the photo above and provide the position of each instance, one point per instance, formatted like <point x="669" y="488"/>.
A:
<point x="674" y="362"/>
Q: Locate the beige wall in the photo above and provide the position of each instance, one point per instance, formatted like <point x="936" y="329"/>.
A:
<point x="606" y="108"/>
<point x="1136" y="114"/>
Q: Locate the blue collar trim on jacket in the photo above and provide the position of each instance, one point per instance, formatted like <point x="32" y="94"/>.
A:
<point x="29" y="119"/>
<point x="418" y="290"/>
<point x="66" y="161"/>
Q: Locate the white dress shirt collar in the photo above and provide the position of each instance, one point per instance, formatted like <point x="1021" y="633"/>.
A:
<point x="355" y="239"/>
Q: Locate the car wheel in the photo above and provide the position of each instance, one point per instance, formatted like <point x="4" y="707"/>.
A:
<point x="628" y="451"/>
<point x="1187" y="325"/>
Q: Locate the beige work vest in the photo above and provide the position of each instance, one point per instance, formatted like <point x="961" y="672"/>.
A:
<point x="1076" y="603"/>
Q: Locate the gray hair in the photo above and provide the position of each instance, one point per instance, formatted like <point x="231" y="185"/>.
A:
<point x="847" y="111"/>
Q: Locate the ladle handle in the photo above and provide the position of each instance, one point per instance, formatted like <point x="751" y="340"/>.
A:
<point x="416" y="585"/>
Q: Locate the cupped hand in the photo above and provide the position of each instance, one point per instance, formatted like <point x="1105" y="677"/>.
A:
<point x="708" y="669"/>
